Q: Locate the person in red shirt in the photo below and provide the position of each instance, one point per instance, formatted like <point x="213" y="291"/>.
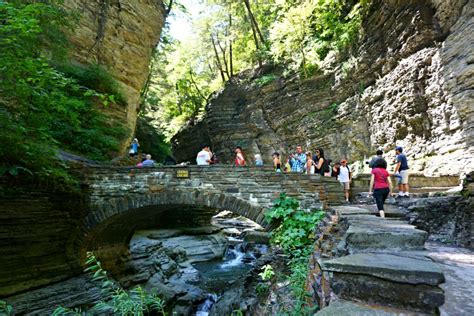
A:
<point x="381" y="184"/>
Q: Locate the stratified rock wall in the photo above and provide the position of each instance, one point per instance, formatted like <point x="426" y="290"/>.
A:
<point x="120" y="35"/>
<point x="409" y="83"/>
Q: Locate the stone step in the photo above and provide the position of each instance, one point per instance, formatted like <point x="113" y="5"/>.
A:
<point x="342" y="307"/>
<point x="370" y="232"/>
<point x="387" y="279"/>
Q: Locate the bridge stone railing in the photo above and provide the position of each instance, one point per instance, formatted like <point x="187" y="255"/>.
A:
<point x="247" y="191"/>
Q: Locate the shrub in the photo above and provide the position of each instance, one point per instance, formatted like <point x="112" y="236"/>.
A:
<point x="136" y="302"/>
<point x="295" y="235"/>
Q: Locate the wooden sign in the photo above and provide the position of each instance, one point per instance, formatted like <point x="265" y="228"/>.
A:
<point x="182" y="173"/>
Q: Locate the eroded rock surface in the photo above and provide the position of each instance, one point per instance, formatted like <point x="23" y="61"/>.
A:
<point x="119" y="35"/>
<point x="408" y="83"/>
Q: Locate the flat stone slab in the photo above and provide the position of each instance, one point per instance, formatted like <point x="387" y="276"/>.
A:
<point x="383" y="234"/>
<point x="341" y="307"/>
<point x="388" y="267"/>
<point x="350" y="210"/>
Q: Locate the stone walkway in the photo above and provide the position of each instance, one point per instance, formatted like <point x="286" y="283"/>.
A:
<point x="458" y="267"/>
<point x="386" y="270"/>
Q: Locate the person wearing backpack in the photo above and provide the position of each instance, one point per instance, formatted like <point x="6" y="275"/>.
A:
<point x="321" y="164"/>
<point x="345" y="178"/>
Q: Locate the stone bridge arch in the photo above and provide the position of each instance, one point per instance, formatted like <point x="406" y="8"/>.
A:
<point x="110" y="225"/>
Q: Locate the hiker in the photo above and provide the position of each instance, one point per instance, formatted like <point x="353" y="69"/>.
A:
<point x="401" y="172"/>
<point x="321" y="164"/>
<point x="276" y="161"/>
<point x="379" y="155"/>
<point x="309" y="163"/>
<point x="239" y="157"/>
<point x="148" y="162"/>
<point x="204" y="157"/>
<point x="335" y="169"/>
<point x="381" y="184"/>
<point x="258" y="160"/>
<point x="345" y="178"/>
<point x="134" y="148"/>
<point x="298" y="160"/>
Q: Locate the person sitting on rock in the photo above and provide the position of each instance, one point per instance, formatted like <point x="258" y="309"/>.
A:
<point x="239" y="157"/>
<point x="298" y="160"/>
<point x="148" y="162"/>
<point x="381" y="184"/>
<point x="204" y="157"/>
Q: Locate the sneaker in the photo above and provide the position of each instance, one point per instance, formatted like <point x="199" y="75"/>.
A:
<point x="382" y="214"/>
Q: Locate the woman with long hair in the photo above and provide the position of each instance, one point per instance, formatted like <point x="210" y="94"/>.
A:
<point x="320" y="163"/>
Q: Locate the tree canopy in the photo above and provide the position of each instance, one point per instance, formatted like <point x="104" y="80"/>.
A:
<point x="231" y="36"/>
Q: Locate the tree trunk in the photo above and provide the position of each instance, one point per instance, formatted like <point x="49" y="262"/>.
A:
<point x="253" y="21"/>
<point x="231" y="64"/>
<point x="218" y="61"/>
<point x="224" y="57"/>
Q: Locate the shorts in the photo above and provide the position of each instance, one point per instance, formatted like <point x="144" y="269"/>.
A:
<point x="404" y="177"/>
<point x="346" y="185"/>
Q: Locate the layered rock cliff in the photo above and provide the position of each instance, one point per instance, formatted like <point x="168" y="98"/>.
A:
<point x="409" y="83"/>
<point x="120" y="35"/>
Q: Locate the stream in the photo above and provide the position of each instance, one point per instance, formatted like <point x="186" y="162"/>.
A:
<point x="193" y="268"/>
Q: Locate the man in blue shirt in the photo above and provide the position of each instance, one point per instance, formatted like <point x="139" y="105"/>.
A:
<point x="148" y="162"/>
<point x="401" y="172"/>
<point x="298" y="160"/>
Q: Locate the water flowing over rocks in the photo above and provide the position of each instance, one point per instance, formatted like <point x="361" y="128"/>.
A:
<point x="409" y="83"/>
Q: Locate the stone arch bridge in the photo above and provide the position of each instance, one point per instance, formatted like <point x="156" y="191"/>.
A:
<point x="121" y="200"/>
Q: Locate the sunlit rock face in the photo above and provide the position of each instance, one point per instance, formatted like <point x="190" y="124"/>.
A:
<point x="119" y="35"/>
<point x="408" y="83"/>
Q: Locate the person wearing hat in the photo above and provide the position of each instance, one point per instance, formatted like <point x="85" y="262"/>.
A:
<point x="401" y="172"/>
<point x="134" y="148"/>
<point x="344" y="178"/>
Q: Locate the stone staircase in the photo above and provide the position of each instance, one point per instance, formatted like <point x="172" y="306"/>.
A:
<point x="382" y="268"/>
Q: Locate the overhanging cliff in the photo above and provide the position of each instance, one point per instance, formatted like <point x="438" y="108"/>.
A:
<point x="119" y="35"/>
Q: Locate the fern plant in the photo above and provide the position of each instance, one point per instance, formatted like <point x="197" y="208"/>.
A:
<point x="136" y="302"/>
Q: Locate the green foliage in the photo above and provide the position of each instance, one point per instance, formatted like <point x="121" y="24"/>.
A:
<point x="5" y="309"/>
<point x="306" y="32"/>
<point x="42" y="108"/>
<point x="265" y="79"/>
<point x="261" y="289"/>
<point x="295" y="235"/>
<point x="135" y="302"/>
<point x="267" y="273"/>
<point x="95" y="77"/>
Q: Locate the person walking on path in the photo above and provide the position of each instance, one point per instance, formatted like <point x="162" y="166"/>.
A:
<point x="335" y="169"/>
<point x="309" y="163"/>
<point x="321" y="164"/>
<point x="379" y="155"/>
<point x="381" y="184"/>
<point x="345" y="178"/>
<point x="204" y="157"/>
<point x="134" y="148"/>
<point x="239" y="157"/>
<point x="401" y="172"/>
<point x="298" y="160"/>
<point x="276" y="161"/>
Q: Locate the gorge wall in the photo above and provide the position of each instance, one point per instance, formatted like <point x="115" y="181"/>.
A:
<point x="119" y="35"/>
<point x="409" y="82"/>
